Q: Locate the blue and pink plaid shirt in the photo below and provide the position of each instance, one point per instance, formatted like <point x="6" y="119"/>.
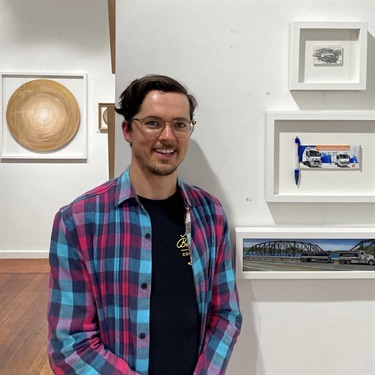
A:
<point x="100" y="283"/>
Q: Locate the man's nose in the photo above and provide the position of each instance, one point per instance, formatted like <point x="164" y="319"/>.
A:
<point x="167" y="132"/>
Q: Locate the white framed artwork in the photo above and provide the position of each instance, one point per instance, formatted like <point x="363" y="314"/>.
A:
<point x="305" y="253"/>
<point x="333" y="161"/>
<point x="44" y="116"/>
<point x="328" y="56"/>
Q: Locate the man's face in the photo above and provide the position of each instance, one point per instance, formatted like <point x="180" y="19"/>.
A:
<point x="161" y="154"/>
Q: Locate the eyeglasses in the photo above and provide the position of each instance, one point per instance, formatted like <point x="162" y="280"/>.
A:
<point x="154" y="126"/>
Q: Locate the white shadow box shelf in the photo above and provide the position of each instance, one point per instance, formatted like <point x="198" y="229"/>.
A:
<point x="319" y="184"/>
<point x="304" y="252"/>
<point x="328" y="56"/>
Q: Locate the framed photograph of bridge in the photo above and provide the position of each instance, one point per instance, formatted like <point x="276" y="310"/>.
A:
<point x="305" y="253"/>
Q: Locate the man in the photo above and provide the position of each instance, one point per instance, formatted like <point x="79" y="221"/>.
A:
<point x="141" y="272"/>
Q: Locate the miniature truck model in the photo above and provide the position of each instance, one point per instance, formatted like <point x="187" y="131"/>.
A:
<point x="341" y="159"/>
<point x="316" y="256"/>
<point x="356" y="257"/>
<point x="312" y="157"/>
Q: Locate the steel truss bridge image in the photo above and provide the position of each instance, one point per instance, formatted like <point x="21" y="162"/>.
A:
<point x="290" y="248"/>
<point x="367" y="245"/>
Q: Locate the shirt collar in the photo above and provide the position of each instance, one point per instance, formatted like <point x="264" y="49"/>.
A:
<point x="125" y="190"/>
<point x="186" y="193"/>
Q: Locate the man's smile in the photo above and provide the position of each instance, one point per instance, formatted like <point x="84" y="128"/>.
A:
<point x="165" y="151"/>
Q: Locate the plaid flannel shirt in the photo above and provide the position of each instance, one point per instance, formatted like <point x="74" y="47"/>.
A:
<point x="100" y="258"/>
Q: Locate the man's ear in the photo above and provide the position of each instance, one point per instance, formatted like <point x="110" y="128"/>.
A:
<point x="126" y="130"/>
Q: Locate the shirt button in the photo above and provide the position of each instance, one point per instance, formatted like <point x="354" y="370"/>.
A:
<point x="144" y="285"/>
<point x="142" y="335"/>
<point x="147" y="236"/>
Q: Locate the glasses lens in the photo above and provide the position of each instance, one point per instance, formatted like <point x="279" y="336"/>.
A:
<point x="152" y="125"/>
<point x="181" y="128"/>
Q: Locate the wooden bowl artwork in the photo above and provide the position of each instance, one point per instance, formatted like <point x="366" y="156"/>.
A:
<point x="43" y="115"/>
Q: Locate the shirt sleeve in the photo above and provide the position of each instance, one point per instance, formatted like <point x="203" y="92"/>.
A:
<point x="74" y="344"/>
<point x="225" y="319"/>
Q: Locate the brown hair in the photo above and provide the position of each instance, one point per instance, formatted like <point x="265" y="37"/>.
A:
<point x="132" y="97"/>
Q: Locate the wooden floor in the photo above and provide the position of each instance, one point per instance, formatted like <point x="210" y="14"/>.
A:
<point x="23" y="322"/>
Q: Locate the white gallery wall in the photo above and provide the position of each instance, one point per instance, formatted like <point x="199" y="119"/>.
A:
<point x="234" y="56"/>
<point x="52" y="37"/>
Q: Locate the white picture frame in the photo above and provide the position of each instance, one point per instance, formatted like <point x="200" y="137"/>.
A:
<point x="314" y="127"/>
<point x="348" y="72"/>
<point x="76" y="149"/>
<point x="275" y="253"/>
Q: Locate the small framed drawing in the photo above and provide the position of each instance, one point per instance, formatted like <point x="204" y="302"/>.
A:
<point x="328" y="56"/>
<point x="305" y="253"/>
<point x="44" y="116"/>
<point x="320" y="156"/>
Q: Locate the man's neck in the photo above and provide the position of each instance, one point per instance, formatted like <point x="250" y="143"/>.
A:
<point x="152" y="186"/>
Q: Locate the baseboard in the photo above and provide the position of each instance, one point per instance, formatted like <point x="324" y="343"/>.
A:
<point x="24" y="254"/>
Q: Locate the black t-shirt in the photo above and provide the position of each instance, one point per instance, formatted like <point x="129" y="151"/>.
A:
<point x="174" y="320"/>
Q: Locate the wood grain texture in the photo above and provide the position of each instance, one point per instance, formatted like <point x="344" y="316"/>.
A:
<point x="43" y="115"/>
<point x="23" y="317"/>
<point x="112" y="32"/>
<point x="24" y="266"/>
<point x="111" y="140"/>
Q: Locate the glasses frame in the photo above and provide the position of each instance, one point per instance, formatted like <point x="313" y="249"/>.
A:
<point x="178" y="135"/>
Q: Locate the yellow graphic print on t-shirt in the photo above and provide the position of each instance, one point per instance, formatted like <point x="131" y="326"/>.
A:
<point x="182" y="245"/>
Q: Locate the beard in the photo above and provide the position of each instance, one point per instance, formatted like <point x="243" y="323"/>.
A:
<point x="152" y="163"/>
<point x="161" y="169"/>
